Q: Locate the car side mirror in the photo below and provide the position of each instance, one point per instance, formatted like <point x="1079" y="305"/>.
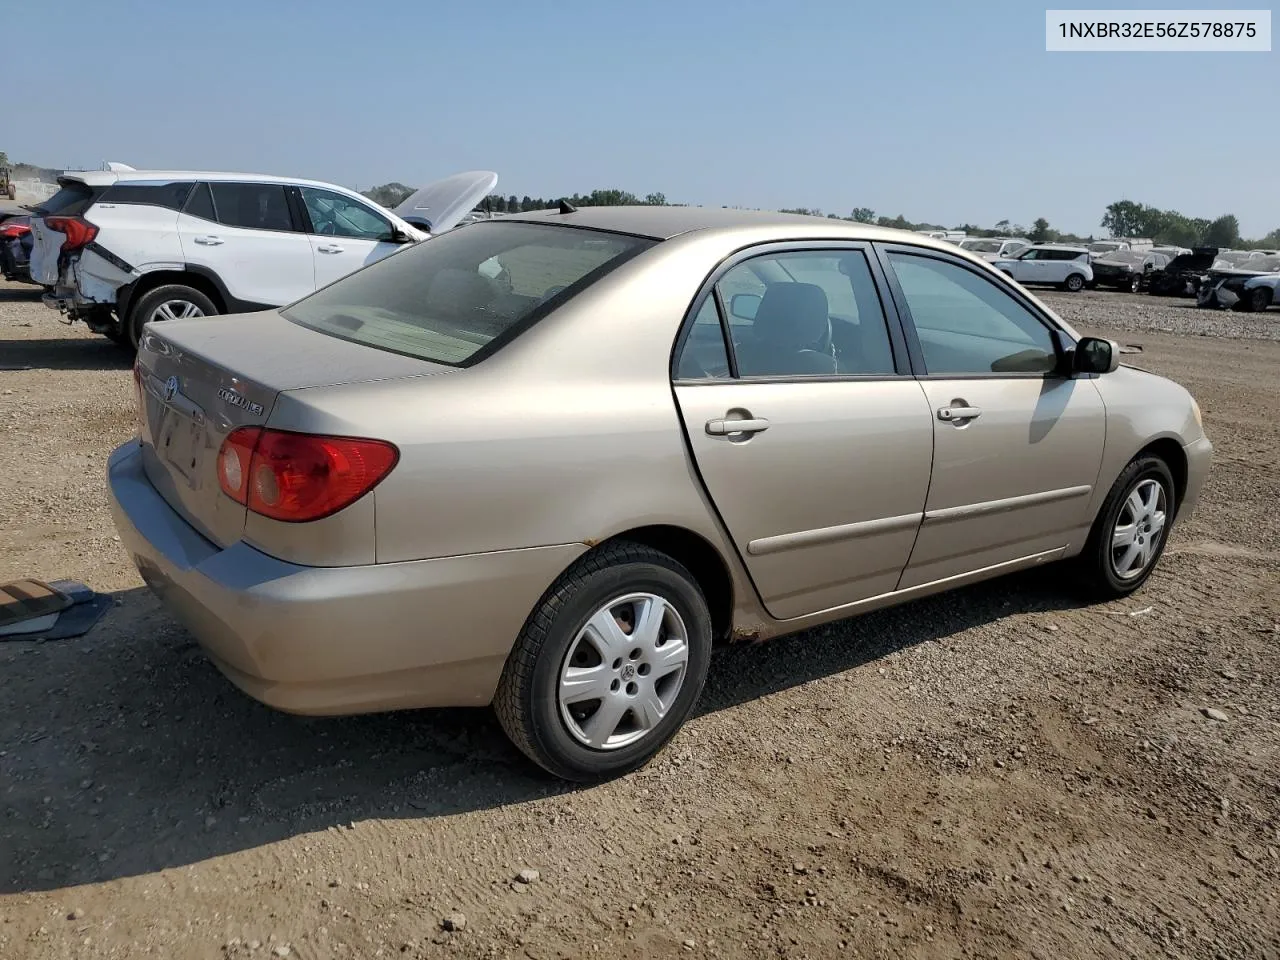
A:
<point x="744" y="305"/>
<point x="399" y="236"/>
<point x="1096" y="355"/>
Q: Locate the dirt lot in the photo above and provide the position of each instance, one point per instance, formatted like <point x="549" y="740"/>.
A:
<point x="999" y="772"/>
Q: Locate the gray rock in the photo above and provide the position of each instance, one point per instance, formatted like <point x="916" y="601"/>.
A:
<point x="281" y="951"/>
<point x="1213" y="713"/>
<point x="454" y="922"/>
<point x="528" y="875"/>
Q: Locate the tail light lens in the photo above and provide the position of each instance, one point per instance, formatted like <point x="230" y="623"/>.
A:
<point x="12" y="230"/>
<point x="78" y="231"/>
<point x="296" y="477"/>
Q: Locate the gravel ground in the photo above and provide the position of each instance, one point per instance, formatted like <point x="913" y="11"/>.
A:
<point x="997" y="772"/>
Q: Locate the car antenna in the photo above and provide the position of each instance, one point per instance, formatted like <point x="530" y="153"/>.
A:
<point x="567" y="207"/>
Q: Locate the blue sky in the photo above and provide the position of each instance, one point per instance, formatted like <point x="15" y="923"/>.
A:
<point x="944" y="111"/>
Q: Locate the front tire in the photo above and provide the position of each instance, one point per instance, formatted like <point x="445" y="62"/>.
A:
<point x="1131" y="530"/>
<point x="1074" y="283"/>
<point x="173" y="301"/>
<point x="608" y="666"/>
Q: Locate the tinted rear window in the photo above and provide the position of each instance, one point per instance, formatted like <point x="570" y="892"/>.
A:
<point x="72" y="200"/>
<point x="257" y="206"/>
<point x="156" y="193"/>
<point x="457" y="297"/>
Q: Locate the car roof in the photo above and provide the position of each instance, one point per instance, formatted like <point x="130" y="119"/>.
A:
<point x="663" y="223"/>
<point x="104" y="178"/>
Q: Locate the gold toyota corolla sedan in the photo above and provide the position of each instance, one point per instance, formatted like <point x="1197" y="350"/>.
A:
<point x="545" y="461"/>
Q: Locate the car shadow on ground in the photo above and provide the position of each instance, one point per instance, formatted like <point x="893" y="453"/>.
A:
<point x="125" y="752"/>
<point x="97" y="353"/>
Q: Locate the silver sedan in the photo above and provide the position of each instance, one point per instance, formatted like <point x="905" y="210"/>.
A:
<point x="545" y="461"/>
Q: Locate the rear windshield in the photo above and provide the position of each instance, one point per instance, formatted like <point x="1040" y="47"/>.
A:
<point x="457" y="297"/>
<point x="72" y="200"/>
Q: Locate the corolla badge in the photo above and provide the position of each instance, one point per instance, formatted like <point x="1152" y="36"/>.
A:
<point x="171" y="388"/>
<point x="235" y="399"/>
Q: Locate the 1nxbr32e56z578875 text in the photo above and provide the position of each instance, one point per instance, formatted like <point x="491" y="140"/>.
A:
<point x="1158" y="30"/>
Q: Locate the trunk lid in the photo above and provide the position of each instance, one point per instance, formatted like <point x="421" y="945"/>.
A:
<point x="202" y="378"/>
<point x="439" y="206"/>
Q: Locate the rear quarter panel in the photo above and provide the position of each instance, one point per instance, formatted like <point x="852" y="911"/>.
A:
<point x="144" y="236"/>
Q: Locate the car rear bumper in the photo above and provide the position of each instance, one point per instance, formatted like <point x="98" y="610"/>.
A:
<point x="334" y="640"/>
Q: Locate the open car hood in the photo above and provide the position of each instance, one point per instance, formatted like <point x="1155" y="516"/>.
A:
<point x="439" y="206"/>
<point x="1198" y="262"/>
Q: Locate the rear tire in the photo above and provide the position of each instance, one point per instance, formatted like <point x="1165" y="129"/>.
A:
<point x="1131" y="530"/>
<point x="1259" y="299"/>
<point x="543" y="700"/>
<point x="1074" y="283"/>
<point x="169" y="302"/>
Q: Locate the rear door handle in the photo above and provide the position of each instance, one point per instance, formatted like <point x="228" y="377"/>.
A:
<point x="722" y="428"/>
<point x="209" y="241"/>
<point x="330" y="248"/>
<point x="951" y="414"/>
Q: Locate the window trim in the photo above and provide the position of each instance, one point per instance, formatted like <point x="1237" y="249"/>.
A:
<point x="898" y="344"/>
<point x="1063" y="342"/>
<point x="308" y="227"/>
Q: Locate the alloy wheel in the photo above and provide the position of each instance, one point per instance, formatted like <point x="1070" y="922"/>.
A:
<point x="1138" y="529"/>
<point x="175" y="310"/>
<point x="623" y="671"/>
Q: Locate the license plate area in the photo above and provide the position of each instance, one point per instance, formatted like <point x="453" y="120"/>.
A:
<point x="181" y="441"/>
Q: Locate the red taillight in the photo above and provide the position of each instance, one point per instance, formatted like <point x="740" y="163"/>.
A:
<point x="12" y="230"/>
<point x="300" y="476"/>
<point x="79" y="231"/>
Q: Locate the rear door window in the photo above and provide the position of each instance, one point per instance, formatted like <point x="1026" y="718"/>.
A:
<point x="458" y="297"/>
<point x="254" y="206"/>
<point x="200" y="203"/>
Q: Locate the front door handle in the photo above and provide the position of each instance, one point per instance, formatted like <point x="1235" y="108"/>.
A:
<point x="952" y="414"/>
<point x="722" y="428"/>
<point x="330" y="248"/>
<point x="209" y="241"/>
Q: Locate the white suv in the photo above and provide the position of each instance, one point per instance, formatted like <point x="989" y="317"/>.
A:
<point x="119" y="249"/>
<point x="1046" y="263"/>
<point x="992" y="249"/>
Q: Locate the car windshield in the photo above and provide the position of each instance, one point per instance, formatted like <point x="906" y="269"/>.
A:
<point x="457" y="297"/>
<point x="1103" y="247"/>
<point x="981" y="246"/>
<point x="1269" y="263"/>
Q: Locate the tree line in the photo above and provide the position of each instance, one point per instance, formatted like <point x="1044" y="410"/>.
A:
<point x="1124" y="218"/>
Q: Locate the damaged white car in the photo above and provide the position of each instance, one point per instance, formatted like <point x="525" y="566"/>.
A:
<point x="121" y="248"/>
